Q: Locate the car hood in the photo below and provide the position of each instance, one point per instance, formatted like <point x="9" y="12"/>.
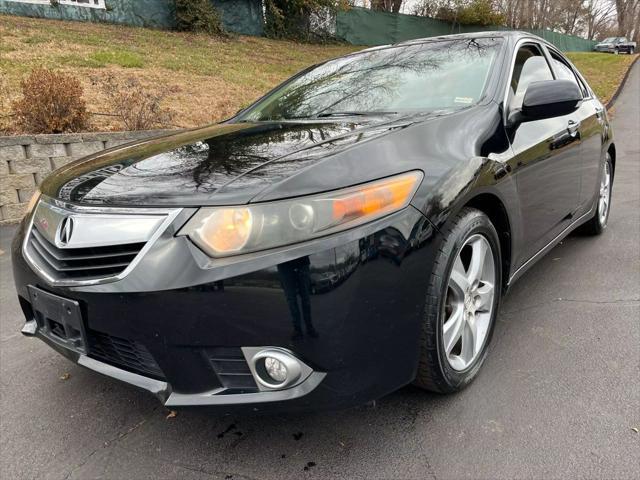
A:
<point x="227" y="163"/>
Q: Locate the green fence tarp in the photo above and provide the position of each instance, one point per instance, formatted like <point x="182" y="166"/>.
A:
<point x="361" y="26"/>
<point x="241" y="16"/>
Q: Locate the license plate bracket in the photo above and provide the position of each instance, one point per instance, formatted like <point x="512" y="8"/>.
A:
<point x="59" y="319"/>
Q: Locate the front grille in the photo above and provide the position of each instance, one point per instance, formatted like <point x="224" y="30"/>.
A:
<point x="127" y="354"/>
<point x="232" y="369"/>
<point x="81" y="263"/>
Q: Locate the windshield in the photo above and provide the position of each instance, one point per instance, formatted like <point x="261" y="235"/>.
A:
<point x="420" y="77"/>
<point x="609" y="40"/>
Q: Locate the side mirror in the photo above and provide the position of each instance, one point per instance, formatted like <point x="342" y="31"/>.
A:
<point x="547" y="99"/>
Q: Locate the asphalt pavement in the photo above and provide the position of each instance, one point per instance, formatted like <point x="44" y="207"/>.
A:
<point x="559" y="395"/>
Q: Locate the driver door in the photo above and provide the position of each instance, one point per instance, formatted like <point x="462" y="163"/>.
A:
<point x="546" y="159"/>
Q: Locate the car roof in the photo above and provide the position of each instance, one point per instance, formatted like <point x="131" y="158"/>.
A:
<point x="512" y="34"/>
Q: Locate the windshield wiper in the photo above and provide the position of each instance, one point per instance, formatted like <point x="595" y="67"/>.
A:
<point x="352" y="114"/>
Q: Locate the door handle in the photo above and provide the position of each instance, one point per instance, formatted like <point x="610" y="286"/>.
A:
<point x="573" y="127"/>
<point x="600" y="114"/>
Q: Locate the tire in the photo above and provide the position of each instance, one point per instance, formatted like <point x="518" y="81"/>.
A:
<point x="616" y="51"/>
<point x="439" y="370"/>
<point x="598" y="223"/>
<point x="632" y="51"/>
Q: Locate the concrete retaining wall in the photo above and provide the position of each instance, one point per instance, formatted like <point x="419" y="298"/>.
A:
<point x="25" y="160"/>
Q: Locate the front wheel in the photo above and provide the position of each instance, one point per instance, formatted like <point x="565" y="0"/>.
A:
<point x="632" y="50"/>
<point x="598" y="223"/>
<point x="462" y="303"/>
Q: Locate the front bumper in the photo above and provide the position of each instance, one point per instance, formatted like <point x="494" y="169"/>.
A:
<point x="348" y="306"/>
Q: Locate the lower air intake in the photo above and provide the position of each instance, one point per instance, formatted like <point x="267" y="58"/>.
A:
<point x="126" y="354"/>
<point x="232" y="369"/>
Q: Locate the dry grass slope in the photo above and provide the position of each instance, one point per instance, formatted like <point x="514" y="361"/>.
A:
<point x="212" y="78"/>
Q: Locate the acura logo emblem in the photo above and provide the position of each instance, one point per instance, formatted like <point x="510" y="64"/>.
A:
<point x="65" y="231"/>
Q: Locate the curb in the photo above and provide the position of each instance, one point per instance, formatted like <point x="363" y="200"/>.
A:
<point x="614" y="97"/>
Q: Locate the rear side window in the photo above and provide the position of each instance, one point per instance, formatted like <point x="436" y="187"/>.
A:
<point x="565" y="72"/>
<point x="530" y="66"/>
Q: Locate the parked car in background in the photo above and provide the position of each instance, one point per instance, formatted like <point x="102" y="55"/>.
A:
<point x="616" y="45"/>
<point x="351" y="232"/>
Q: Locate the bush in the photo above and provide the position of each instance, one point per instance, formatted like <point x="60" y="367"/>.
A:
<point x="137" y="107"/>
<point x="51" y="103"/>
<point x="198" y="16"/>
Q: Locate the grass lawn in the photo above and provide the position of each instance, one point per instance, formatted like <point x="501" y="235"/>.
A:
<point x="209" y="78"/>
<point x="603" y="71"/>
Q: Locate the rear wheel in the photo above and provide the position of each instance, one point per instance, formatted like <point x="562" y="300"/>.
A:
<point x="462" y="303"/>
<point x="598" y="223"/>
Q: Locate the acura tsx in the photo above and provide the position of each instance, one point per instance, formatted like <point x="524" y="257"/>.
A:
<point x="349" y="233"/>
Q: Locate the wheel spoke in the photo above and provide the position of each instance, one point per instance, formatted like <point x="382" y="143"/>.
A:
<point x="485" y="292"/>
<point x="458" y="281"/>
<point x="453" y="328"/>
<point x="469" y="336"/>
<point x="478" y="256"/>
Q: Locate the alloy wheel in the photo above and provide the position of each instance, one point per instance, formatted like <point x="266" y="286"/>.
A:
<point x="605" y="194"/>
<point x="469" y="302"/>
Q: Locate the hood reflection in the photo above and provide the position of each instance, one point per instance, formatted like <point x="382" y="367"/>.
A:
<point x="242" y="161"/>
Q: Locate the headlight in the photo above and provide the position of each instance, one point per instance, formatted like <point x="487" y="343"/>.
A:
<point x="224" y="231"/>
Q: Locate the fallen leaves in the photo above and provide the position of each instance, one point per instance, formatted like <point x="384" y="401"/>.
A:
<point x="65" y="376"/>
<point x="171" y="414"/>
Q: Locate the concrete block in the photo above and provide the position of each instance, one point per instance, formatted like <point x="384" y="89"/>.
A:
<point x="40" y="165"/>
<point x="46" y="150"/>
<point x="11" y="152"/>
<point x="8" y="194"/>
<point x="115" y="143"/>
<point x="13" y="212"/>
<point x="4" y="167"/>
<point x="16" y="140"/>
<point x="58" y="138"/>
<point x="85" y="148"/>
<point x="61" y="161"/>
<point x="17" y="182"/>
<point x="99" y="136"/>
<point x="25" y="194"/>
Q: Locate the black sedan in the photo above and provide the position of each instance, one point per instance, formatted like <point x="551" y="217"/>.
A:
<point x="349" y="233"/>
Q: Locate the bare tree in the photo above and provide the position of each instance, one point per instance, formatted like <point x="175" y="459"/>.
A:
<point x="386" y="5"/>
<point x="600" y="15"/>
<point x="592" y="19"/>
<point x="628" y="12"/>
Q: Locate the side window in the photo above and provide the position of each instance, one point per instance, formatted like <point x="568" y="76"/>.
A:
<point x="565" y="72"/>
<point x="530" y="66"/>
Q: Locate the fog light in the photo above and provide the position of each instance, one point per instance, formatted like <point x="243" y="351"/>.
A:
<point x="275" y="369"/>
